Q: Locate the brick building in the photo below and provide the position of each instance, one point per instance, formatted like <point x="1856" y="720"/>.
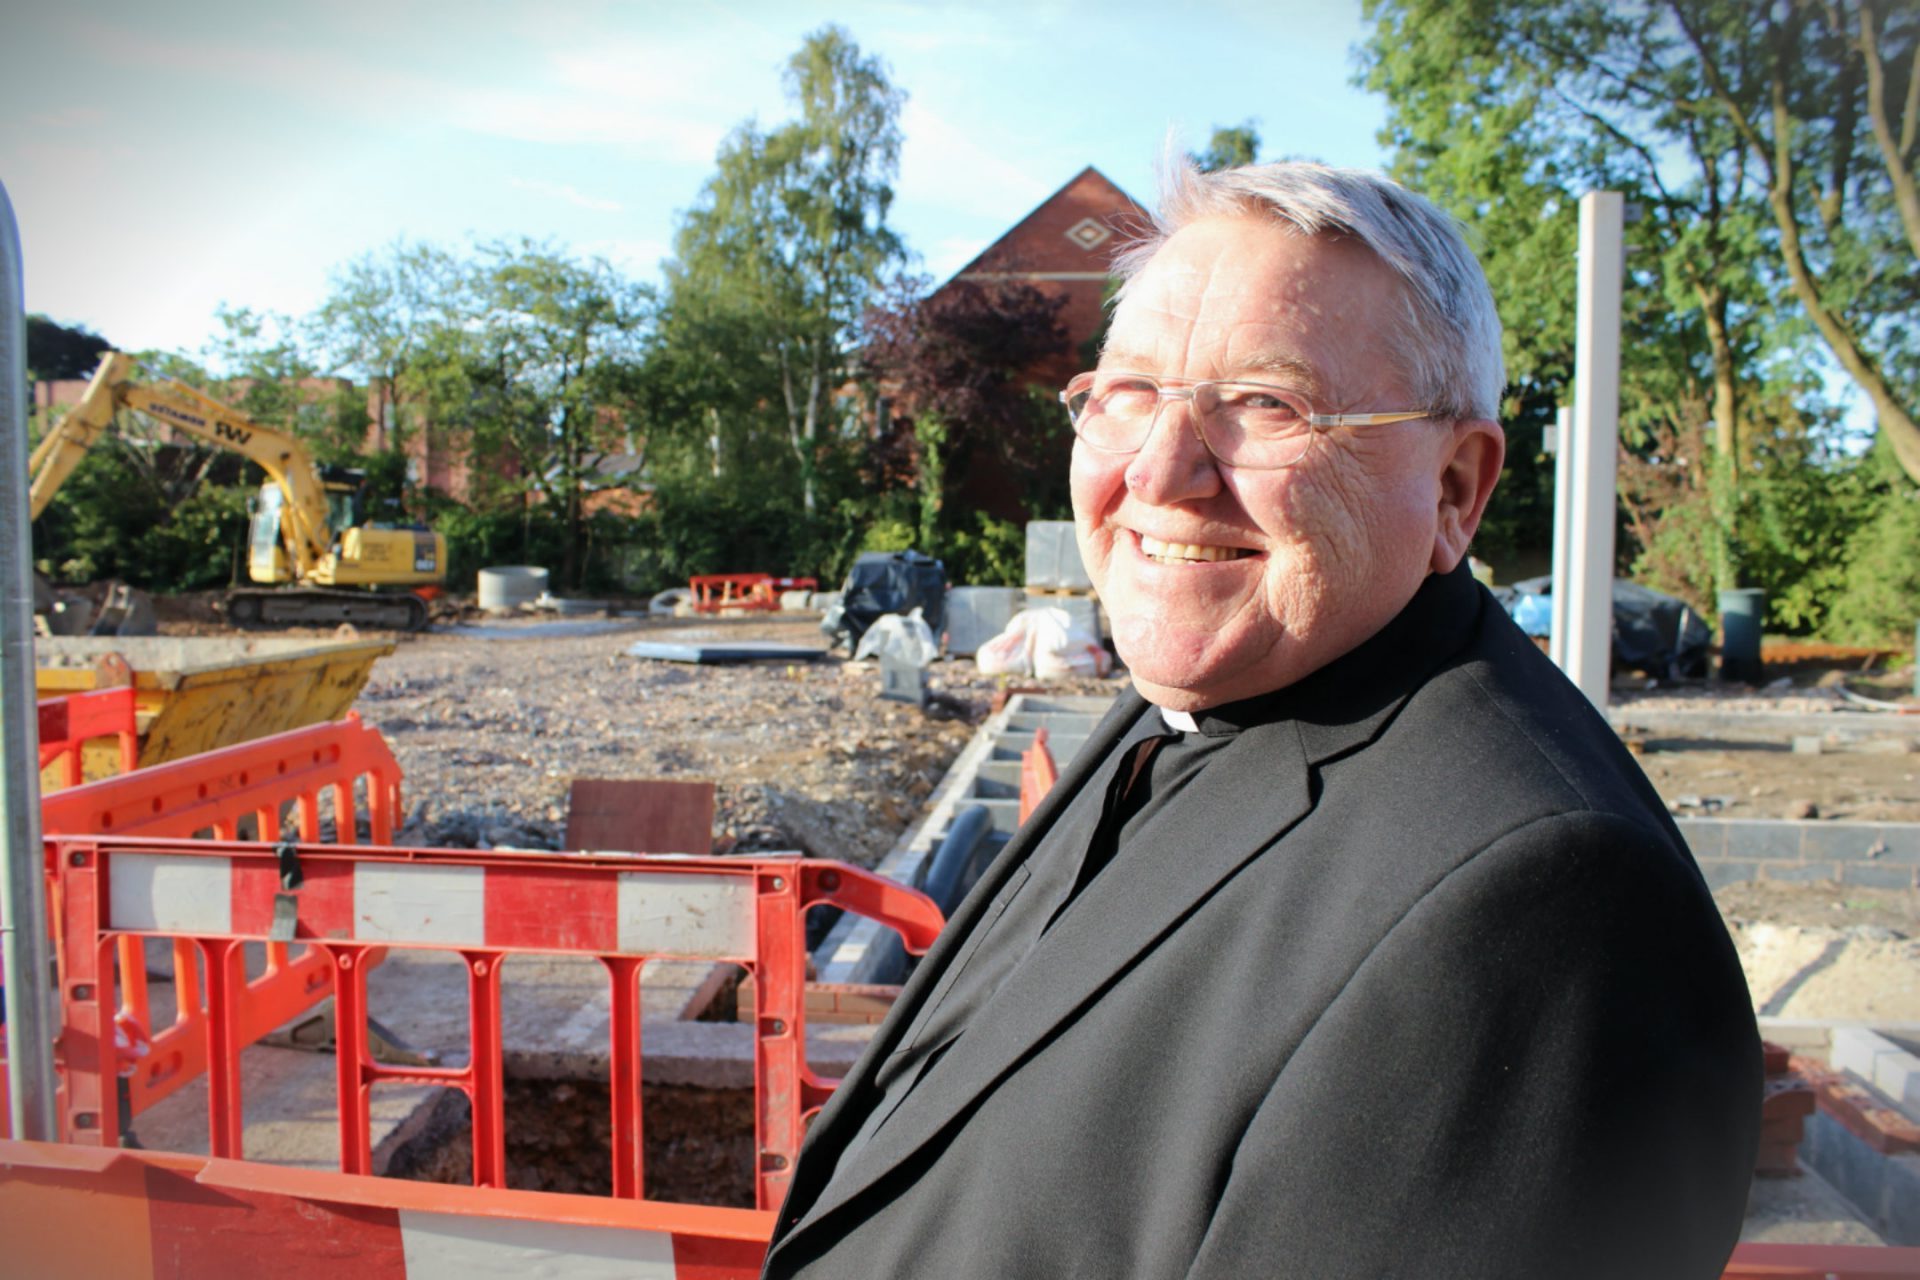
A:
<point x="1065" y="248"/>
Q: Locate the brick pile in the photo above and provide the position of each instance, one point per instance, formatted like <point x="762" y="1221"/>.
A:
<point x="1785" y="1105"/>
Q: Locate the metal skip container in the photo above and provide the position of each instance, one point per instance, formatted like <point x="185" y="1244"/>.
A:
<point x="193" y="694"/>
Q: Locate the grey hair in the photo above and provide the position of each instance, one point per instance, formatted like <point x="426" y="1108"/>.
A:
<point x="1448" y="339"/>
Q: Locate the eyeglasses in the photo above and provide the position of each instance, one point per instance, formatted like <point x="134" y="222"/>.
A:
<point x="1244" y="424"/>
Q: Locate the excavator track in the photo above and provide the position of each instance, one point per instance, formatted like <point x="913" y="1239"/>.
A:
<point x="398" y="611"/>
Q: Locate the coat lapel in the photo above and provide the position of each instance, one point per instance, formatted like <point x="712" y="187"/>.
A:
<point x="831" y="1129"/>
<point x="1253" y="793"/>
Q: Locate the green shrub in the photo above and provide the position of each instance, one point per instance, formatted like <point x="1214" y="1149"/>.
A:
<point x="1878" y="597"/>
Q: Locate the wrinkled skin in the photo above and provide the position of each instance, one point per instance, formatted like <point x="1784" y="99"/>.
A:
<point x="1331" y="548"/>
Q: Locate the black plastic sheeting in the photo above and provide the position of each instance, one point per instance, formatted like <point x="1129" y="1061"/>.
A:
<point x="1653" y="632"/>
<point x="883" y="582"/>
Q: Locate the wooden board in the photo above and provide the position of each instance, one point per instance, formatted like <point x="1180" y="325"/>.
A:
<point x="640" y="815"/>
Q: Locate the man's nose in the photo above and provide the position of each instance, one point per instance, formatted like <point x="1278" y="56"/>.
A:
<point x="1174" y="463"/>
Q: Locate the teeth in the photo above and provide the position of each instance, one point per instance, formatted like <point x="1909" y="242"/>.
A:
<point x="1182" y="552"/>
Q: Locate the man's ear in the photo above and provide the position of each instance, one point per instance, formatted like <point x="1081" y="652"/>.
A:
<point x="1467" y="476"/>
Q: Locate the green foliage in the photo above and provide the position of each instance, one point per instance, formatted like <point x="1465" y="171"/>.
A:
<point x="56" y="351"/>
<point x="113" y="520"/>
<point x="775" y="264"/>
<point x="1879" y="597"/>
<point x="1230" y="147"/>
<point x="891" y="535"/>
<point x="993" y="553"/>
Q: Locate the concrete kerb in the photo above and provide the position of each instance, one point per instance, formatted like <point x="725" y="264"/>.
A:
<point x="1777" y="726"/>
<point x="843" y="956"/>
<point x="1731" y="850"/>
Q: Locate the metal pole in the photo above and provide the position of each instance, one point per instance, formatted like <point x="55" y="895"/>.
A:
<point x="23" y="895"/>
<point x="1596" y="438"/>
<point x="1563" y="453"/>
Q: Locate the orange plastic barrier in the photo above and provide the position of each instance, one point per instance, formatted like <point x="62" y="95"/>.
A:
<point x="1037" y="773"/>
<point x="714" y="592"/>
<point x="83" y="1212"/>
<point x="79" y="1213"/>
<point x="1822" y="1262"/>
<point x="348" y="902"/>
<point x="213" y="793"/>
<point x="67" y="724"/>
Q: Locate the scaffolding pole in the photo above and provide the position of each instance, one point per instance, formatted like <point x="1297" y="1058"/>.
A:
<point x="23" y="898"/>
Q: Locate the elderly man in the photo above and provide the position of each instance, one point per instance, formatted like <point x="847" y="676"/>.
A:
<point x="1352" y="944"/>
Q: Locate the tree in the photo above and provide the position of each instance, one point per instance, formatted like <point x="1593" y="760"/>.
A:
<point x="952" y="366"/>
<point x="1504" y="111"/>
<point x="789" y="239"/>
<point x="1761" y="138"/>
<point x="1230" y="147"/>
<point x="1826" y="99"/>
<point x="535" y="366"/>
<point x="383" y="311"/>
<point x="56" y="351"/>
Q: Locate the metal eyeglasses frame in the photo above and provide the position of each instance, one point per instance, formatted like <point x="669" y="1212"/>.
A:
<point x="1186" y="388"/>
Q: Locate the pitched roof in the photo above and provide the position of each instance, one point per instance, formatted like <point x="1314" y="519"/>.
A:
<point x="1071" y="235"/>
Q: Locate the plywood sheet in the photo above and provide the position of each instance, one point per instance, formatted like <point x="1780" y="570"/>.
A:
<point x="640" y="815"/>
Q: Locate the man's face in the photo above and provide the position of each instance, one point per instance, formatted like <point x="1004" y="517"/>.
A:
<point x="1223" y="583"/>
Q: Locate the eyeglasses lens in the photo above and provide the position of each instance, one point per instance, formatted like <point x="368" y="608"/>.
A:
<point x="1243" y="424"/>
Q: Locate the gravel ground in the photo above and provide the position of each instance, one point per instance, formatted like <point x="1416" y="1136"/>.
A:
<point x="805" y="755"/>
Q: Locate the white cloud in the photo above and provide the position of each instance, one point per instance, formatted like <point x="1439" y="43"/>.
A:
<point x="567" y="192"/>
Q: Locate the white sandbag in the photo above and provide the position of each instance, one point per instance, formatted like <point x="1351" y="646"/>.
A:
<point x="907" y="639"/>
<point x="1009" y="653"/>
<point x="1044" y="642"/>
<point x="1062" y="648"/>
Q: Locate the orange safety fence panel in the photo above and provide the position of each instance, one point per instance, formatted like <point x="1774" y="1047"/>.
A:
<point x="484" y="906"/>
<point x="83" y="1212"/>
<point x="1037" y="773"/>
<point x="215" y="792"/>
<point x="714" y="592"/>
<point x="69" y="723"/>
<point x="1822" y="1262"/>
<point x="77" y="1213"/>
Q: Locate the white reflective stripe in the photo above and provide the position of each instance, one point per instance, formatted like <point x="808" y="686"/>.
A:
<point x="448" y="1246"/>
<point x="418" y="902"/>
<point x="667" y="914"/>
<point x="169" y="893"/>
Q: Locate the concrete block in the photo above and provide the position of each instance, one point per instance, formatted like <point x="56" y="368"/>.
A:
<point x="1806" y="744"/>
<point x="1888" y="1067"/>
<point x="1864" y="841"/>
<point x="1721" y="872"/>
<point x="1756" y="838"/>
<point x="1800" y="872"/>
<point x="1705" y="837"/>
<point x="1874" y="875"/>
<point x="976" y="615"/>
<point x="1885" y="1189"/>
<point x="1053" y="556"/>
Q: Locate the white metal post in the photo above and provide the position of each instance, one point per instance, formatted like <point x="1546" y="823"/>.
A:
<point x="1563" y="447"/>
<point x="1588" y="584"/>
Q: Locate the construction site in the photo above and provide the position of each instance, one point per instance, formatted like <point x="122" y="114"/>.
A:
<point x="369" y="914"/>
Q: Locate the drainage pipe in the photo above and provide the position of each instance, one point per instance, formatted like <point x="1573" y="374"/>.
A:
<point x="946" y="871"/>
<point x="944" y="874"/>
<point x="23" y="897"/>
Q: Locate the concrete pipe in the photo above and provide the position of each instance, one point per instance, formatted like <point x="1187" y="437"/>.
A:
<point x="508" y="586"/>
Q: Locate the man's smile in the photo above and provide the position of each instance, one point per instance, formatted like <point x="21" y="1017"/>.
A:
<point x="1187" y="552"/>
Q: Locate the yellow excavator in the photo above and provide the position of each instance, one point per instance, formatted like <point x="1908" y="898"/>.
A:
<point x="310" y="540"/>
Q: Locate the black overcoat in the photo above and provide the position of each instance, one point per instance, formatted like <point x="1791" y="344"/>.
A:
<point x="1418" y="980"/>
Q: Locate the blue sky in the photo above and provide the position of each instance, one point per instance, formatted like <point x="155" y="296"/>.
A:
<point x="163" y="159"/>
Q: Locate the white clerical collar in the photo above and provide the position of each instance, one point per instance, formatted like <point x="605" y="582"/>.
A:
<point x="1179" y="720"/>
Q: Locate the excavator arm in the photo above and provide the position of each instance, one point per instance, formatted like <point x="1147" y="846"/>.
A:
<point x="286" y="461"/>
